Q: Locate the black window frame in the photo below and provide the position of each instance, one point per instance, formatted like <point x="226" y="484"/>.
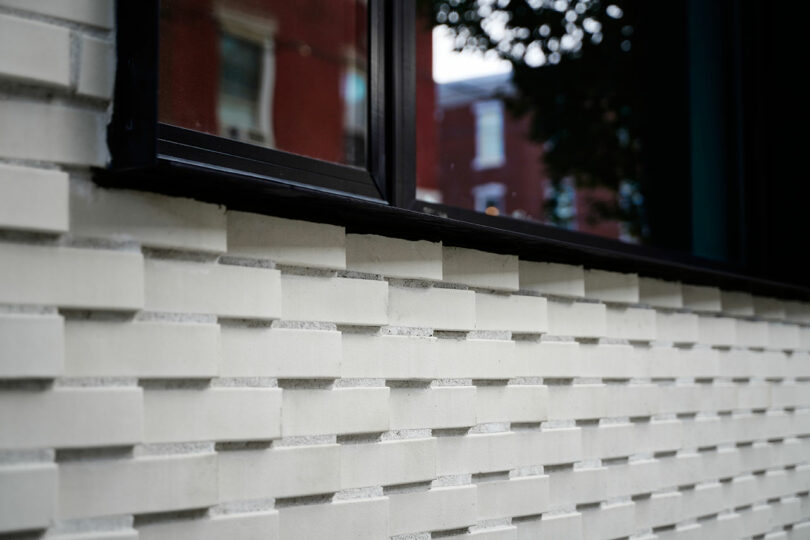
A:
<point x="381" y="200"/>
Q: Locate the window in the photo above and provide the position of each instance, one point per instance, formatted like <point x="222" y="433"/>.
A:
<point x="612" y="133"/>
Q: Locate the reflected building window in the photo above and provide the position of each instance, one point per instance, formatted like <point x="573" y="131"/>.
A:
<point x="490" y="198"/>
<point x="353" y="92"/>
<point x="489" y="148"/>
<point x="245" y="101"/>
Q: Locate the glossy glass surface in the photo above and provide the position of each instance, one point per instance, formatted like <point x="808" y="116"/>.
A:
<point x="289" y="75"/>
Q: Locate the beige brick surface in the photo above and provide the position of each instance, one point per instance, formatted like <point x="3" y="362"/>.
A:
<point x="286" y="241"/>
<point x="70" y="277"/>
<point x="611" y="286"/>
<point x="149" y="219"/>
<point x="228" y="291"/>
<point x="32" y="345"/>
<point x="442" y="309"/>
<point x="33" y="199"/>
<point x="339" y="300"/>
<point x="513" y="313"/>
<point x="576" y="319"/>
<point x="660" y="293"/>
<point x="394" y="257"/>
<point x="552" y="278"/>
<point x="480" y="269"/>
<point x="33" y="51"/>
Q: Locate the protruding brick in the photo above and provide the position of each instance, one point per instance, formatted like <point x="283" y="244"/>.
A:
<point x="363" y="519"/>
<point x="284" y="353"/>
<point x="27" y="496"/>
<point x="153" y="220"/>
<point x="439" y="407"/>
<point x="389" y="357"/>
<point x="660" y="293"/>
<point x="700" y="298"/>
<point x="279" y="472"/>
<point x="736" y="303"/>
<point x="96" y="68"/>
<point x="552" y="278"/>
<point x="717" y="331"/>
<point x="91" y="12"/>
<point x="387" y="463"/>
<point x="32" y="51"/>
<point x="339" y="300"/>
<point x="431" y="307"/>
<point x="248" y="526"/>
<point x="480" y="269"/>
<point x="475" y="359"/>
<point x="33" y="199"/>
<point x="611" y="286"/>
<point x="42" y="131"/>
<point x="216" y="414"/>
<point x="394" y="257"/>
<point x="70" y="417"/>
<point x="432" y="510"/>
<point x="513" y="313"/>
<point x="679" y="328"/>
<point x="631" y="323"/>
<point x="219" y="289"/>
<point x="152" y="349"/>
<point x="71" y="277"/>
<point x="31" y="345"/>
<point x="576" y="319"/>
<point x="511" y="403"/>
<point x="137" y="486"/>
<point x="339" y="411"/>
<point x="286" y="241"/>
<point x="522" y="496"/>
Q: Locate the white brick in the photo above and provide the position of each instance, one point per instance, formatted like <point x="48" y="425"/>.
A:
<point x="770" y="308"/>
<point x="570" y="486"/>
<point x="660" y="293"/>
<point x="394" y="257"/>
<point x="332" y="299"/>
<point x="657" y="510"/>
<point x="609" y="521"/>
<point x="33" y="199"/>
<point x="153" y="220"/>
<point x="250" y="526"/>
<point x="700" y="298"/>
<point x="31" y="345"/>
<point x="286" y="241"/>
<point x="53" y="133"/>
<point x="438" y="407"/>
<point x="214" y="414"/>
<point x="674" y="362"/>
<point x="153" y="349"/>
<point x="219" y="289"/>
<point x="549" y="446"/>
<point x="804" y="338"/>
<point x="70" y="417"/>
<point x="552" y="278"/>
<point x="512" y="403"/>
<point x="92" y="12"/>
<point x="278" y="472"/>
<point x="751" y="333"/>
<point x="559" y="359"/>
<point x="560" y="526"/>
<point x="736" y="303"/>
<point x="504" y="532"/>
<point x="514" y="313"/>
<point x="480" y="269"/>
<point x="631" y="323"/>
<point x="32" y="51"/>
<point x="794" y="311"/>
<point x="110" y="534"/>
<point x="136" y="486"/>
<point x="340" y="411"/>
<point x="611" y="286"/>
<point x="477" y="453"/>
<point x="474" y="359"/>
<point x="783" y="337"/>
<point x="612" y="361"/>
<point x="96" y="68"/>
<point x="280" y="352"/>
<point x="27" y="496"/>
<point x="365" y="519"/>
<point x="599" y="401"/>
<point x="431" y="307"/>
<point x="387" y="463"/>
<point x="522" y="496"/>
<point x="434" y="510"/>
<point x="71" y="278"/>
<point x="388" y="357"/>
<point x="678" y="328"/>
<point x="576" y="319"/>
<point x="717" y="331"/>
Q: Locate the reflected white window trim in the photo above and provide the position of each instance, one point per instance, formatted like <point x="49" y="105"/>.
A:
<point x="260" y="31"/>
<point x="489" y="143"/>
<point x="490" y="194"/>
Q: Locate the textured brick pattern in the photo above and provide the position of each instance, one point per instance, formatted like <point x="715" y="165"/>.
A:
<point x="171" y="370"/>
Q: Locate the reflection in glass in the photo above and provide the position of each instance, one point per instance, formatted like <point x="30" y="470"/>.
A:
<point x="545" y="110"/>
<point x="286" y="75"/>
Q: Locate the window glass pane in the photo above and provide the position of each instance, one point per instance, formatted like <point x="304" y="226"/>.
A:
<point x="286" y="75"/>
<point x="577" y="113"/>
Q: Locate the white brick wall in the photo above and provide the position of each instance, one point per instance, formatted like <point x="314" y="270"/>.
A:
<point x="170" y="369"/>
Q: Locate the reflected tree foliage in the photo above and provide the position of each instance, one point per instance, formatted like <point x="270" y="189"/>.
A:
<point x="575" y="65"/>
